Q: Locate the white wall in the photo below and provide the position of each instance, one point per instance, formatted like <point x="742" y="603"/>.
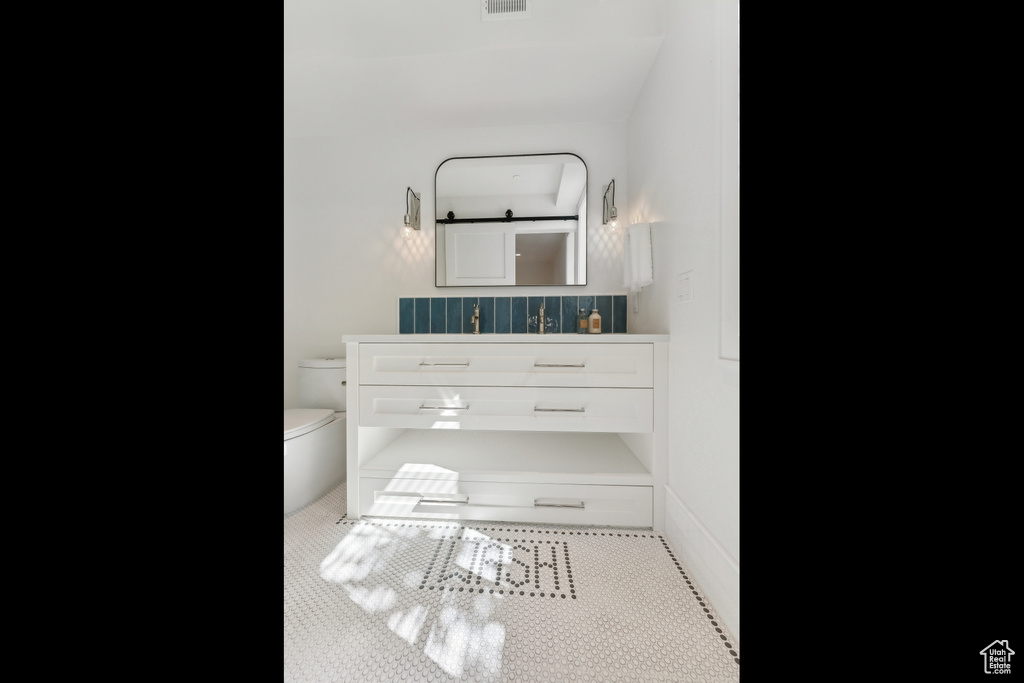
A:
<point x="683" y="179"/>
<point x="345" y="264"/>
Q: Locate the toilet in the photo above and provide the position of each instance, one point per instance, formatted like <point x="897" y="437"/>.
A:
<point x="314" y="434"/>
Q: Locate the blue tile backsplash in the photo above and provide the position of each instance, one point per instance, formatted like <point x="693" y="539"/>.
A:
<point x="507" y="314"/>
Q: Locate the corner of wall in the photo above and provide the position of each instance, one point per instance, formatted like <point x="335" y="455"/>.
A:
<point x="714" y="570"/>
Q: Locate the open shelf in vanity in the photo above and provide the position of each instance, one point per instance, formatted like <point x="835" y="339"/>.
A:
<point x="507" y="428"/>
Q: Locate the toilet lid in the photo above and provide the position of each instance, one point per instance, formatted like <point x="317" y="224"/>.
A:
<point x="299" y="421"/>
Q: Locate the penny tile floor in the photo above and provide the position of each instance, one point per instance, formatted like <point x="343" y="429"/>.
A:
<point x="414" y="600"/>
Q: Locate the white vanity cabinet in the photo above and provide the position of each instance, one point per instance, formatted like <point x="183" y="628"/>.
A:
<point x="565" y="429"/>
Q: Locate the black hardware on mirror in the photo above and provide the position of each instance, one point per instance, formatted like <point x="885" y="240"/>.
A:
<point x="508" y="217"/>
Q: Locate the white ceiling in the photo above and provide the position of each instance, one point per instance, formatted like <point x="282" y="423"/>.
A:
<point x="435" y="63"/>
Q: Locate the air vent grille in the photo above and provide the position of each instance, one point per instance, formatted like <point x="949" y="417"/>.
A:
<point x="492" y="10"/>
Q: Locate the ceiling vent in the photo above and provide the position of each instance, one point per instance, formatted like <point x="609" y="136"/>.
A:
<point x="493" y="10"/>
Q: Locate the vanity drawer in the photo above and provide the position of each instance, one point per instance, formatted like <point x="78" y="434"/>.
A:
<point x="486" y="364"/>
<point x="508" y="502"/>
<point x="507" y="408"/>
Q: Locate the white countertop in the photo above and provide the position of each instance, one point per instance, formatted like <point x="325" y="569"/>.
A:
<point x="513" y="338"/>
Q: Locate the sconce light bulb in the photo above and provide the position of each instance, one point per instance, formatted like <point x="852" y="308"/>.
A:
<point x="412" y="213"/>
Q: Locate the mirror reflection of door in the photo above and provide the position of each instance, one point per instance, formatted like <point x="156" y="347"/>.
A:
<point x="480" y="254"/>
<point x="545" y="235"/>
<point x="544" y="258"/>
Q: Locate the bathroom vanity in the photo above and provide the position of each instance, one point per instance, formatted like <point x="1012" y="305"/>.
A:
<point x="567" y="429"/>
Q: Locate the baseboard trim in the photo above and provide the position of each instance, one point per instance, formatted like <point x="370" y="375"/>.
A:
<point x="713" y="568"/>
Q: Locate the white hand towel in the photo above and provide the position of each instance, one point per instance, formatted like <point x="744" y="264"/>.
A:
<point x="637" y="257"/>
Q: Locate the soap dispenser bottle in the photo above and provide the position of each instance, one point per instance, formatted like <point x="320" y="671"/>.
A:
<point x="595" y="322"/>
<point x="581" y="322"/>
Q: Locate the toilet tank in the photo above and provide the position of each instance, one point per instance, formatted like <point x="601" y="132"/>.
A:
<point x="322" y="383"/>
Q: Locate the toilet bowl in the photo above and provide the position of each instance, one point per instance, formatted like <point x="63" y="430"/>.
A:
<point x="314" y="434"/>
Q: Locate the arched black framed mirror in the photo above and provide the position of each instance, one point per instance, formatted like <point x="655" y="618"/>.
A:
<point x="511" y="220"/>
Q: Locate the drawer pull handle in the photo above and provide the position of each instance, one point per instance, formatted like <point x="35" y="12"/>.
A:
<point x="560" y="410"/>
<point x="444" y="407"/>
<point x="440" y="500"/>
<point x="416" y="498"/>
<point x="559" y="365"/>
<point x="556" y="503"/>
<point x="447" y="365"/>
